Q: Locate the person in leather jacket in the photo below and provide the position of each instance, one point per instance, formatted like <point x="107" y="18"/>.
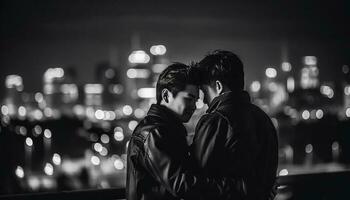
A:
<point x="158" y="162"/>
<point x="234" y="138"/>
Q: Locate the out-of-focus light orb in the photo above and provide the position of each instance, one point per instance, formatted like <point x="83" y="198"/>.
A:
<point x="90" y="112"/>
<point x="98" y="147"/>
<point x="56" y="159"/>
<point x="347" y="112"/>
<point x="132" y="125"/>
<point x="95" y="160"/>
<point x="347" y="90"/>
<point x="158" y="50"/>
<point x="14" y="81"/>
<point x="117" y="88"/>
<point x="104" y="138"/>
<point x="48" y="183"/>
<point x="319" y="114"/>
<point x="99" y="114"/>
<point x="118" y="128"/>
<point x="131" y="73"/>
<point x="308" y="148"/>
<point x="19" y="172"/>
<point x="48" y="112"/>
<point x="11" y="109"/>
<point x="138" y="73"/>
<point x="39" y="97"/>
<point x="283" y="172"/>
<point x="48" y="89"/>
<point x="48" y="169"/>
<point x="109" y="73"/>
<point x="335" y="146"/>
<point x="37" y="130"/>
<point x="345" y="69"/>
<point x="93" y="88"/>
<point x="127" y="110"/>
<point x="286" y="67"/>
<point x="271" y="72"/>
<point x="4" y="110"/>
<point x="104" y="151"/>
<point x="22" y="111"/>
<point x="327" y="91"/>
<point x="305" y="114"/>
<point x="53" y="73"/>
<point x="139" y="113"/>
<point x="70" y="89"/>
<point x="34" y="182"/>
<point x="78" y="110"/>
<point x="255" y="86"/>
<point x="310" y="60"/>
<point x="139" y="57"/>
<point x="38" y="115"/>
<point x="23" y="130"/>
<point x="118" y="164"/>
<point x="146" y="92"/>
<point x="290" y="84"/>
<point x="118" y="136"/>
<point x="29" y="141"/>
<point x="47" y="133"/>
<point x="313" y="114"/>
<point x="273" y="87"/>
<point x="111" y="115"/>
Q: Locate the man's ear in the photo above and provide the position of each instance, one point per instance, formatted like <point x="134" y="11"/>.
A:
<point x="165" y="95"/>
<point x="218" y="86"/>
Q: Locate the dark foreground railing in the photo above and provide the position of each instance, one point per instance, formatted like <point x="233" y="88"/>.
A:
<point x="332" y="186"/>
<point x="325" y="186"/>
<point x="103" y="194"/>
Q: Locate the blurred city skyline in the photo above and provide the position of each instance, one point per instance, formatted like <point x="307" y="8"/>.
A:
<point x="38" y="35"/>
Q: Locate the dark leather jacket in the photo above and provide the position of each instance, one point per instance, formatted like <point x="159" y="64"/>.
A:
<point x="237" y="139"/>
<point x="158" y="165"/>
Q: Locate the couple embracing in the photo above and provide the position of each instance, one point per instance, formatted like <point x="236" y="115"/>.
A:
<point x="234" y="154"/>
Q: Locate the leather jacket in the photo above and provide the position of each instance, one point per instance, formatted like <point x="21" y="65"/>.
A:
<point x="158" y="164"/>
<point x="237" y="139"/>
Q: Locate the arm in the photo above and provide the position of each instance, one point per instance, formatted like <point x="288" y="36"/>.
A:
<point x="174" y="174"/>
<point x="213" y="135"/>
<point x="212" y="149"/>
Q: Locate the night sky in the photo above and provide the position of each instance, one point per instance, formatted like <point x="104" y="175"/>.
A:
<point x="36" y="35"/>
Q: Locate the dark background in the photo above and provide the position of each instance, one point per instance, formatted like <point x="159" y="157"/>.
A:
<point x="36" y="35"/>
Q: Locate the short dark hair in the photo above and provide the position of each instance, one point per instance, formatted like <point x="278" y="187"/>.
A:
<point x="175" y="78"/>
<point x="224" y="66"/>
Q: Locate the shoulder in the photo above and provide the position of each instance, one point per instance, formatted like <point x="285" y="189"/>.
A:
<point x="213" y="118"/>
<point x="144" y="130"/>
<point x="213" y="122"/>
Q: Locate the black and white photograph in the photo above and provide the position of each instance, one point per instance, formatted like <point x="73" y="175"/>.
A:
<point x="174" y="100"/>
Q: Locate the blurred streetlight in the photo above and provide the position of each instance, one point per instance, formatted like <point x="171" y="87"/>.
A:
<point x="158" y="50"/>
<point x="139" y="57"/>
<point x="271" y="72"/>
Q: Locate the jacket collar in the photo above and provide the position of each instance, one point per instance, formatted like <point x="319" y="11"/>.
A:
<point x="166" y="115"/>
<point x="229" y="98"/>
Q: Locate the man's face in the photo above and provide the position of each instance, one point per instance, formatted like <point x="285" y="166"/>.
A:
<point x="209" y="92"/>
<point x="184" y="103"/>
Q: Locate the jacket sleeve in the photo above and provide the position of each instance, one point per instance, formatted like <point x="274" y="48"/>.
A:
<point x="174" y="173"/>
<point x="213" y="135"/>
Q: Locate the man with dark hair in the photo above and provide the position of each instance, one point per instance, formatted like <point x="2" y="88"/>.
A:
<point x="158" y="165"/>
<point x="234" y="138"/>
